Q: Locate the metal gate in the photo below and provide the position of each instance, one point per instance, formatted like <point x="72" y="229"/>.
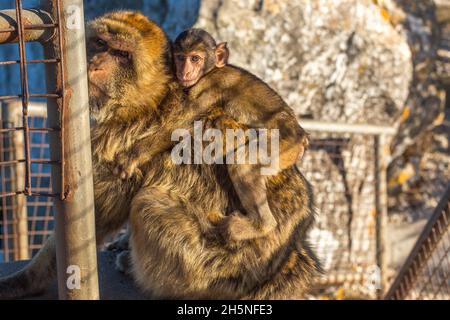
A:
<point x="59" y="26"/>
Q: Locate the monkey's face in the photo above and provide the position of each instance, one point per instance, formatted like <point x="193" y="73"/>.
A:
<point x="190" y="67"/>
<point x="129" y="68"/>
<point x="110" y="68"/>
<point x="196" y="54"/>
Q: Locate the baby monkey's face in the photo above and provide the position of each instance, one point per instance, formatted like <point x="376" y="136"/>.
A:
<point x="190" y="67"/>
<point x="196" y="53"/>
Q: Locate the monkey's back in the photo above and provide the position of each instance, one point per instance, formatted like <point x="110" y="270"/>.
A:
<point x="174" y="210"/>
<point x="173" y="219"/>
<point x="244" y="97"/>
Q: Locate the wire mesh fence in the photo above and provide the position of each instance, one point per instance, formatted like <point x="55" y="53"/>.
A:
<point x="426" y="272"/>
<point x="25" y="162"/>
<point x="345" y="165"/>
<point x="37" y="211"/>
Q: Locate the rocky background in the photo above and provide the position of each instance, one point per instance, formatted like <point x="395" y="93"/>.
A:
<point x="382" y="62"/>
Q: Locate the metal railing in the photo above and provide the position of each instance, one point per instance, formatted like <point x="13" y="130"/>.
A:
<point x="59" y="26"/>
<point x="426" y="272"/>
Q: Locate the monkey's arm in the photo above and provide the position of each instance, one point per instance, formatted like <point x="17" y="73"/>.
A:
<point x="293" y="139"/>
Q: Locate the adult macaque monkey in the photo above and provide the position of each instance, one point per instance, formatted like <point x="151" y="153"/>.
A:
<point x="201" y="68"/>
<point x="170" y="207"/>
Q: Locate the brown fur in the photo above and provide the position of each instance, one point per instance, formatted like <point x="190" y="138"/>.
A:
<point x="245" y="102"/>
<point x="173" y="248"/>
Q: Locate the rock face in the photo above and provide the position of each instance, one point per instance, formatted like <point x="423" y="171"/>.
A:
<point x="333" y="60"/>
<point x="336" y="60"/>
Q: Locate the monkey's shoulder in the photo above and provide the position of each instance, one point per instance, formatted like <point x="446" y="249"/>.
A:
<point x="231" y="75"/>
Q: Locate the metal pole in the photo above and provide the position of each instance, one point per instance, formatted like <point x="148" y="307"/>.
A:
<point x="335" y="127"/>
<point x="12" y="117"/>
<point x="75" y="222"/>
<point x="381" y="202"/>
<point x="32" y="19"/>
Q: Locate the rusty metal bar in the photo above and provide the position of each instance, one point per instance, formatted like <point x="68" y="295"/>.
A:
<point x="424" y="247"/>
<point x="5" y="130"/>
<point x="11" y="62"/>
<point x="37" y="24"/>
<point x="42" y="161"/>
<point x="75" y="225"/>
<point x="25" y="93"/>
<point x="33" y="95"/>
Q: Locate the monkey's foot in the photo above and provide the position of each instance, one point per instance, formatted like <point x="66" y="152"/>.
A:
<point x="125" y="165"/>
<point x="120" y="244"/>
<point x="237" y="227"/>
<point x="123" y="262"/>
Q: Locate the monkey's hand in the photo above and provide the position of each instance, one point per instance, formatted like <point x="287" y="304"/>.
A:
<point x="237" y="227"/>
<point x="126" y="165"/>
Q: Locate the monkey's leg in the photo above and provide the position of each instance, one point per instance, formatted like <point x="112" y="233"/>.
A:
<point x="35" y="277"/>
<point x="250" y="186"/>
<point x="123" y="262"/>
<point x="122" y="248"/>
<point x="171" y="257"/>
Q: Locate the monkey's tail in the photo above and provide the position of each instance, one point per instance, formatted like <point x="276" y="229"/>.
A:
<point x="35" y="277"/>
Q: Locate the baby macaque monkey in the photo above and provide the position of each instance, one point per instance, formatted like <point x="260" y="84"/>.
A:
<point x="247" y="102"/>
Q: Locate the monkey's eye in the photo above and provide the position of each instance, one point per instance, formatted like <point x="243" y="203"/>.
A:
<point x="195" y="58"/>
<point x="122" y="54"/>
<point x="100" y="43"/>
<point x="179" y="57"/>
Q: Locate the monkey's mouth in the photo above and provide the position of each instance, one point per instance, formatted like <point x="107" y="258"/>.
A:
<point x="186" y="82"/>
<point x="97" y="96"/>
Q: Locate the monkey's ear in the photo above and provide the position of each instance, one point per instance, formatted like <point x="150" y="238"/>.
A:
<point x="222" y="55"/>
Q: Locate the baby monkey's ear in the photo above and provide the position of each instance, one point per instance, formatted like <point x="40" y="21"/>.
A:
<point x="222" y="55"/>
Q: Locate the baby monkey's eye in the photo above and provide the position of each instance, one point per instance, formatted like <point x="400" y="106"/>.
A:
<point x="195" y="58"/>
